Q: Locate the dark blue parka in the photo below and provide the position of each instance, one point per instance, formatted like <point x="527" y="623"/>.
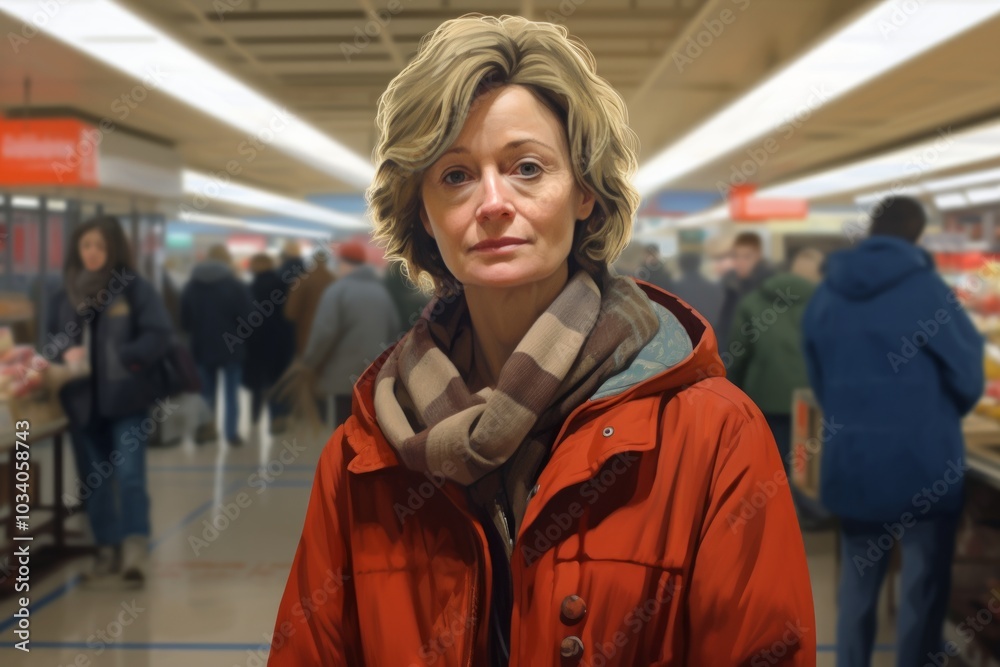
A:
<point x="130" y="332"/>
<point x="895" y="363"/>
<point x="215" y="306"/>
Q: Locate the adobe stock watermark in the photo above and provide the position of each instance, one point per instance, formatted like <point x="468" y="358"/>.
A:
<point x="924" y="501"/>
<point x="760" y="155"/>
<point x="560" y="523"/>
<point x="712" y="30"/>
<point x="47" y="10"/>
<point x="122" y="107"/>
<point x="101" y="640"/>
<point x="765" y="490"/>
<point x="227" y="514"/>
<point x="967" y="629"/>
<point x="436" y="648"/>
<point x="262" y="310"/>
<point x="372" y="29"/>
<point x="781" y="648"/>
<point x="902" y="12"/>
<point x="248" y="150"/>
<point x="333" y="583"/>
<point x="131" y="440"/>
<point x="635" y="620"/>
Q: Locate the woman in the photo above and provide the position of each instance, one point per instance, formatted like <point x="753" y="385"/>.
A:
<point x="271" y="345"/>
<point x="117" y="322"/>
<point x="549" y="468"/>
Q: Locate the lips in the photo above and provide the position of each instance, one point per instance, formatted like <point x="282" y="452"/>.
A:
<point x="497" y="244"/>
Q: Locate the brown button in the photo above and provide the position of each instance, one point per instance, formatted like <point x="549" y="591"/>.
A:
<point x="571" y="647"/>
<point x="573" y="609"/>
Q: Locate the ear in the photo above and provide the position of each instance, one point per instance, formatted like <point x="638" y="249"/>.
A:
<point x="586" y="207"/>
<point x="425" y="221"/>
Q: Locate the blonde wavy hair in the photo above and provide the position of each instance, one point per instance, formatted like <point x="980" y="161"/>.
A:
<point x="422" y="112"/>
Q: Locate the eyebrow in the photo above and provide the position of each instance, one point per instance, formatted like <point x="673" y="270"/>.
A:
<point x="513" y="144"/>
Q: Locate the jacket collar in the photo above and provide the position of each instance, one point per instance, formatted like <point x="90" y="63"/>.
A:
<point x="618" y="400"/>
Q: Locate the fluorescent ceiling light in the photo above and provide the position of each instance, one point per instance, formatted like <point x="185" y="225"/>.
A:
<point x="247" y="225"/>
<point x="112" y="34"/>
<point x="898" y="170"/>
<point x="211" y="188"/>
<point x="862" y="51"/>
<point x="951" y="201"/>
<point x="983" y="195"/>
<point x="975" y="178"/>
<point x="24" y="202"/>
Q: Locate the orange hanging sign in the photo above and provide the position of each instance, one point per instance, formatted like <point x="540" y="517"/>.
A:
<point x="48" y="151"/>
<point x="745" y="207"/>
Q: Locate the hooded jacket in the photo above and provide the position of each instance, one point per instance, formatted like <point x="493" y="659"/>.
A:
<point x="895" y="362"/>
<point x="769" y="365"/>
<point x="214" y="308"/>
<point x="640" y="543"/>
<point x="130" y="334"/>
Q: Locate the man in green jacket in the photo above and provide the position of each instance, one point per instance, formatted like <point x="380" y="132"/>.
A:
<point x="769" y="364"/>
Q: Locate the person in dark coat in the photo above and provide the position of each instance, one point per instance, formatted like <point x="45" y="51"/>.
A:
<point x="895" y="363"/>
<point x="410" y="301"/>
<point x="701" y="293"/>
<point x="653" y="270"/>
<point x="111" y="319"/>
<point x="215" y="311"/>
<point x="750" y="270"/>
<point x="271" y="347"/>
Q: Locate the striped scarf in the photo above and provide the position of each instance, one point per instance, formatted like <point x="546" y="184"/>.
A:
<point x="437" y="425"/>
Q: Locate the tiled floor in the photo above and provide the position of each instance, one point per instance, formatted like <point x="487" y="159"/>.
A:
<point x="212" y="603"/>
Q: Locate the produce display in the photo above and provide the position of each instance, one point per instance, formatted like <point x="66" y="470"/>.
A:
<point x="22" y="370"/>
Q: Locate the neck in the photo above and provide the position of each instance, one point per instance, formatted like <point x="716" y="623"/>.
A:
<point x="502" y="316"/>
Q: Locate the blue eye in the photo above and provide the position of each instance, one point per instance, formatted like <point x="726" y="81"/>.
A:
<point x="532" y="169"/>
<point x="450" y="179"/>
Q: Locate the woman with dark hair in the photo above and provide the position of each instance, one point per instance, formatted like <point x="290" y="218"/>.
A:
<point x="117" y="322"/>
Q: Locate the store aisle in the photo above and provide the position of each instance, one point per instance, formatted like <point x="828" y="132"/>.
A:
<point x="213" y="593"/>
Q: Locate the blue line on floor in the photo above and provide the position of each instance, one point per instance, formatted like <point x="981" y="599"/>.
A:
<point x="70" y="585"/>
<point x="144" y="646"/>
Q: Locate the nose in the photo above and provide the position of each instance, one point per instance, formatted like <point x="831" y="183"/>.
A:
<point x="496" y="203"/>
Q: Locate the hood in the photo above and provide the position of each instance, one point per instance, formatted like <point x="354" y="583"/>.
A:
<point x="211" y="271"/>
<point x="682" y="352"/>
<point x="876" y="265"/>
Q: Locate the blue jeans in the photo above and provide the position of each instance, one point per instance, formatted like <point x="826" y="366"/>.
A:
<point x="115" y="465"/>
<point x="928" y="547"/>
<point x="232" y="376"/>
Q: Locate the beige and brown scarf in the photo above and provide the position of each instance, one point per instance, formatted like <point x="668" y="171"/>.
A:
<point x="437" y="425"/>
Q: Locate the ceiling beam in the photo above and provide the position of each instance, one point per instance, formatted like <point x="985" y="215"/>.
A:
<point x="710" y="9"/>
<point x="384" y="35"/>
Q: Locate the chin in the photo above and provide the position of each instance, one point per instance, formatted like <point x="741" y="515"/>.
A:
<point x="507" y="276"/>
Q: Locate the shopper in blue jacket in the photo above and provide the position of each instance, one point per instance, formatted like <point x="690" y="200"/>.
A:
<point x="895" y="363"/>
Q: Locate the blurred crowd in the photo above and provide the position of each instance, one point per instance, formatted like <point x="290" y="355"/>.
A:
<point x="121" y="350"/>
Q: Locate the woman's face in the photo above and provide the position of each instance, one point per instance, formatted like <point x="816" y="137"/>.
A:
<point x="501" y="202"/>
<point x="93" y="250"/>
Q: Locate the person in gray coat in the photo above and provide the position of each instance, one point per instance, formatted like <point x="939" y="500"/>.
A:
<point x="355" y="321"/>
<point x="701" y="293"/>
